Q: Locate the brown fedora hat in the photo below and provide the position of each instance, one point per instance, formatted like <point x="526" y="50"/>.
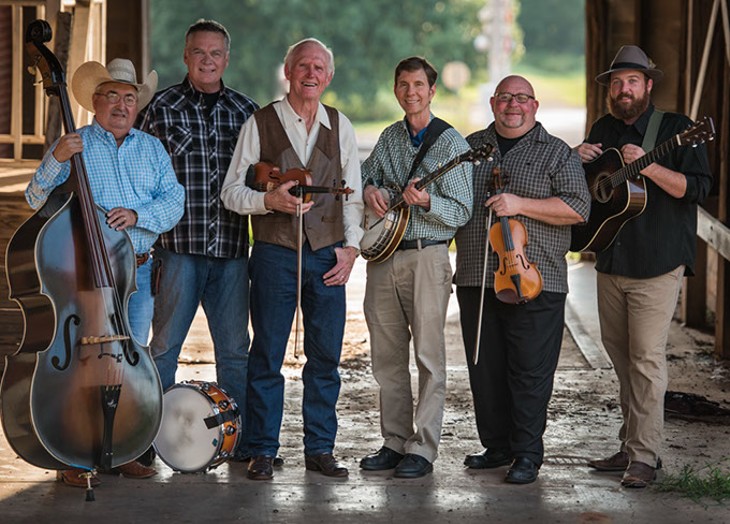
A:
<point x="90" y="75"/>
<point x="631" y="57"/>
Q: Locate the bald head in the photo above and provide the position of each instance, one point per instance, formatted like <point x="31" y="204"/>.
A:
<point x="514" y="106"/>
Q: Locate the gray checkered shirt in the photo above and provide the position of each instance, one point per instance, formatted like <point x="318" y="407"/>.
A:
<point x="538" y="166"/>
<point x="451" y="194"/>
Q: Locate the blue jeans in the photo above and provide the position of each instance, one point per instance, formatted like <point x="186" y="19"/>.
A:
<point x="141" y="304"/>
<point x="273" y="303"/>
<point x="221" y="285"/>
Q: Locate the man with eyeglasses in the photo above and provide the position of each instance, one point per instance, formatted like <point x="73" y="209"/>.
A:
<point x="204" y="259"/>
<point x="640" y="274"/>
<point x="130" y="175"/>
<point x="544" y="188"/>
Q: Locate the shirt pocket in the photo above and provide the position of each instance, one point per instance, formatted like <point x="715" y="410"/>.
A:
<point x="179" y="141"/>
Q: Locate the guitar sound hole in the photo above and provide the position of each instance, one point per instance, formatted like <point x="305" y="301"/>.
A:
<point x="602" y="190"/>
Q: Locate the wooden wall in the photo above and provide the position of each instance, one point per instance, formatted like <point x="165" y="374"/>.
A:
<point x="674" y="34"/>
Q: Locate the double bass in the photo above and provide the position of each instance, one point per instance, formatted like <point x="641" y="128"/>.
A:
<point x="80" y="391"/>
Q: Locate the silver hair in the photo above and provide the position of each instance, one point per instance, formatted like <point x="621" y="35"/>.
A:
<point x="292" y="51"/>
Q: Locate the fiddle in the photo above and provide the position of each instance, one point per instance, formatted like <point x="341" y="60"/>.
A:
<point x="516" y="280"/>
<point x="268" y="177"/>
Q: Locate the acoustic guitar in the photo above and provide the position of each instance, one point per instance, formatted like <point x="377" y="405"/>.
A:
<point x="618" y="191"/>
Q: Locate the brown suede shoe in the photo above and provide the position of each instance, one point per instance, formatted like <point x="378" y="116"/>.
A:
<point x="76" y="477"/>
<point x="135" y="470"/>
<point x="616" y="462"/>
<point x="327" y="464"/>
<point x="638" y="475"/>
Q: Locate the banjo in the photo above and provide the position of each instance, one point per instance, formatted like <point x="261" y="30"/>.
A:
<point x="382" y="235"/>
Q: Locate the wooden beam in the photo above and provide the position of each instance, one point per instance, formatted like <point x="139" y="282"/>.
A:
<point x="714" y="232"/>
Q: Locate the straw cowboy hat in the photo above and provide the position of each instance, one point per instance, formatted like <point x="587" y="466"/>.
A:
<point x="90" y="75"/>
<point x="631" y="57"/>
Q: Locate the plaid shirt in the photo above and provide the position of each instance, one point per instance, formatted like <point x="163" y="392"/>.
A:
<point x="538" y="166"/>
<point x="201" y="148"/>
<point x="451" y="194"/>
<point x="136" y="175"/>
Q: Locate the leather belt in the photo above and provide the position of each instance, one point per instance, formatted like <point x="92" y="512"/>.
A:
<point x="420" y="243"/>
<point x="141" y="259"/>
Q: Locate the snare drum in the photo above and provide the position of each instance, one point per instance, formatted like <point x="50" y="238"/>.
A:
<point x="200" y="428"/>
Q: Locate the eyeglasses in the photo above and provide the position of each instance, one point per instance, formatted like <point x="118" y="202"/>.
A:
<point x="522" y="98"/>
<point x="113" y="98"/>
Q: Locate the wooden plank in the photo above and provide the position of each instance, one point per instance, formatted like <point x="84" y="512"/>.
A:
<point x="714" y="232"/>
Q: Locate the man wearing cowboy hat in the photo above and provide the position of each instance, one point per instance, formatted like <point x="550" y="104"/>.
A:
<point x="640" y="273"/>
<point x="130" y="174"/>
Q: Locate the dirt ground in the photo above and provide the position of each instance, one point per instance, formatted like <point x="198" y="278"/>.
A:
<point x="584" y="416"/>
<point x="583" y="422"/>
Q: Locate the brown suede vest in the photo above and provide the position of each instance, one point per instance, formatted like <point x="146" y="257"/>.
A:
<point x="323" y="224"/>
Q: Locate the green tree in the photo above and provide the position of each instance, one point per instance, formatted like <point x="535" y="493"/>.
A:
<point x="368" y="39"/>
<point x="554" y="33"/>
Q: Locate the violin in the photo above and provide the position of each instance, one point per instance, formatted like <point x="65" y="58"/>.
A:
<point x="268" y="177"/>
<point x="516" y="280"/>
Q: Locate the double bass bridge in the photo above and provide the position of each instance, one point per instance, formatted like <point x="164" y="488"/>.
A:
<point x="104" y="339"/>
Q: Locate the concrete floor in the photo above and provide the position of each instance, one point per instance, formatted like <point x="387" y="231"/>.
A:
<point x="579" y="428"/>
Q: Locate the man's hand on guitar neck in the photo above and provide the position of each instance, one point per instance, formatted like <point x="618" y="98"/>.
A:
<point x="589" y="152"/>
<point x="416" y="197"/>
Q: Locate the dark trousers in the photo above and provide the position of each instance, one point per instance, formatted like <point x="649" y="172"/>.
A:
<point x="513" y="380"/>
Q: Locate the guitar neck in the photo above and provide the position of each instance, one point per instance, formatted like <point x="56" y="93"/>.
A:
<point x="633" y="170"/>
<point x="431" y="177"/>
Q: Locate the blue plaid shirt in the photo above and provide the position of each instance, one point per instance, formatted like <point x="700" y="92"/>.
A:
<point x="137" y="175"/>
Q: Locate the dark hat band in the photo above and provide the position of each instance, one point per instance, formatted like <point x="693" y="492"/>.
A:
<point x="628" y="65"/>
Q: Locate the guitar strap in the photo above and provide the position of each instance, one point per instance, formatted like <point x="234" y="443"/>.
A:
<point x="434" y="130"/>
<point x="652" y="130"/>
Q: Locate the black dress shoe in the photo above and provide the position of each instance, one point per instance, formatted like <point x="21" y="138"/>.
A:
<point x="261" y="468"/>
<point x="326" y="464"/>
<point x="384" y="458"/>
<point x="412" y="467"/>
<point x="489" y="458"/>
<point x="523" y="471"/>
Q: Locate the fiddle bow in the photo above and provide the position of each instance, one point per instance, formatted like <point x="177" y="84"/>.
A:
<point x="268" y="177"/>
<point x="516" y="280"/>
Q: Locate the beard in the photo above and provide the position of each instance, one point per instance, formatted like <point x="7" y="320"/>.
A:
<point x="627" y="112"/>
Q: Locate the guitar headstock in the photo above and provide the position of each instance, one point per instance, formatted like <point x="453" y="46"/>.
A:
<point x="699" y="133"/>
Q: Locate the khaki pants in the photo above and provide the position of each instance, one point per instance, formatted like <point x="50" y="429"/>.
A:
<point x="635" y="315"/>
<point x="407" y="295"/>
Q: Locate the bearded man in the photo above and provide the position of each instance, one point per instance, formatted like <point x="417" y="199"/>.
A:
<point x="640" y="273"/>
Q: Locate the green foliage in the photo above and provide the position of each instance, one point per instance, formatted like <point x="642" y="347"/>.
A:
<point x="553" y="33"/>
<point x="368" y="39"/>
<point x="709" y="482"/>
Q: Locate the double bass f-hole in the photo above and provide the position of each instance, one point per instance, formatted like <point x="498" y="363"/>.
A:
<point x="516" y="280"/>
